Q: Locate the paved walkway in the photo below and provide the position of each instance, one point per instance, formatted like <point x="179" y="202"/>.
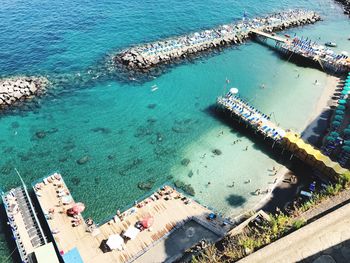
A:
<point x="324" y="240"/>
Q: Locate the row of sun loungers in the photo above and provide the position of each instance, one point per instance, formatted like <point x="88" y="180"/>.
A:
<point x="24" y="225"/>
<point x="251" y="116"/>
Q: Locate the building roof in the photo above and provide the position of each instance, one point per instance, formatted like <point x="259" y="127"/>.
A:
<point x="46" y="254"/>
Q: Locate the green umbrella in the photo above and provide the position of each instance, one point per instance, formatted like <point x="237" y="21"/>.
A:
<point x="346" y="148"/>
<point x="338" y="117"/>
<point x="336" y="123"/>
<point x="330" y="139"/>
<point x="345" y="92"/>
<point x="347" y="131"/>
<point x="341" y="107"/>
<point x="339" y="112"/>
<point x="341" y="101"/>
<point x="334" y="134"/>
<point x="347" y="143"/>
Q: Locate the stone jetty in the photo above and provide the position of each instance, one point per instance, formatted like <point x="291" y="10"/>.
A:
<point x="17" y="89"/>
<point x="346" y="6"/>
<point x="146" y="56"/>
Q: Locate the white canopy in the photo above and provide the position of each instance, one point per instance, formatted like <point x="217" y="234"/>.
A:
<point x="233" y="90"/>
<point x="131" y="232"/>
<point x="115" y="242"/>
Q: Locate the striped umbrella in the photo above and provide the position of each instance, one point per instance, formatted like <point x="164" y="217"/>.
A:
<point x="334" y="134"/>
<point x="336" y="123"/>
<point x="338" y="117"/>
<point x="346" y="148"/>
<point x="339" y="112"/>
<point x="347" y="131"/>
<point x="330" y="139"/>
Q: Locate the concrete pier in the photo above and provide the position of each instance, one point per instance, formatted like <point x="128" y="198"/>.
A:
<point x="307" y="50"/>
<point x="146" y="56"/>
<point x="288" y="140"/>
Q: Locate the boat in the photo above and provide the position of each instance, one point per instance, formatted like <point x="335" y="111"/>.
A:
<point x="330" y="44"/>
<point x="287" y="36"/>
<point x="154" y="88"/>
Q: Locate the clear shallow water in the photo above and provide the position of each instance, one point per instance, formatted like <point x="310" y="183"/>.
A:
<point x="112" y="123"/>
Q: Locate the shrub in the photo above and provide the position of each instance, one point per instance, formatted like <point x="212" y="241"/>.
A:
<point x="298" y="223"/>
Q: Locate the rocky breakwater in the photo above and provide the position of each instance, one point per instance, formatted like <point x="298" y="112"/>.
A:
<point x="346" y="4"/>
<point x="17" y="89"/>
<point x="146" y="56"/>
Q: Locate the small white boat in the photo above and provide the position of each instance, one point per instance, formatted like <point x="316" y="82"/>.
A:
<point x="331" y="44"/>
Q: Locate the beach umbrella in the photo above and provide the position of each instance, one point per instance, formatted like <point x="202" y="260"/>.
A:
<point x="147" y="222"/>
<point x="345" y="92"/>
<point x="346" y="148"/>
<point x="341" y="107"/>
<point x="334" y="134"/>
<point x="338" y="117"/>
<point x="67" y="199"/>
<point x="78" y="208"/>
<point x="115" y="241"/>
<point x="347" y="143"/>
<point x="336" y="123"/>
<point x="330" y="138"/>
<point x="233" y="90"/>
<point x="341" y="101"/>
<point x="347" y="131"/>
<point x="339" y="112"/>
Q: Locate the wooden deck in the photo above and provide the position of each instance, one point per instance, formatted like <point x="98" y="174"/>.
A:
<point x="166" y="213"/>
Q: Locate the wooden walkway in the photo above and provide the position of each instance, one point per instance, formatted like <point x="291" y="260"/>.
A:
<point x="273" y="37"/>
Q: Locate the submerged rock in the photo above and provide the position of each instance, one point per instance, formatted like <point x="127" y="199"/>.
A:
<point x="190" y="174"/>
<point x="111" y="157"/>
<point x="76" y="180"/>
<point x="216" y="152"/>
<point x="151" y="120"/>
<point x="40" y="134"/>
<point x="187" y="188"/>
<point x="185" y="161"/>
<point x="83" y="160"/>
<point x="145" y="185"/>
<point x="63" y="159"/>
<point x="151" y="106"/>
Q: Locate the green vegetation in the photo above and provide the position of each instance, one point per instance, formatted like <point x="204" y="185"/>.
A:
<point x="253" y="237"/>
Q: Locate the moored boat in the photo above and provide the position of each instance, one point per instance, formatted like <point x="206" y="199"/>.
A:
<point x="330" y="44"/>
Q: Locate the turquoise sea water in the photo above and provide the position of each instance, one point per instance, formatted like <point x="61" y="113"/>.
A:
<point x="112" y="123"/>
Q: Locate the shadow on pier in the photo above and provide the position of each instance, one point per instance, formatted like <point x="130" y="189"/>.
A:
<point x="264" y="145"/>
<point x="294" y="58"/>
